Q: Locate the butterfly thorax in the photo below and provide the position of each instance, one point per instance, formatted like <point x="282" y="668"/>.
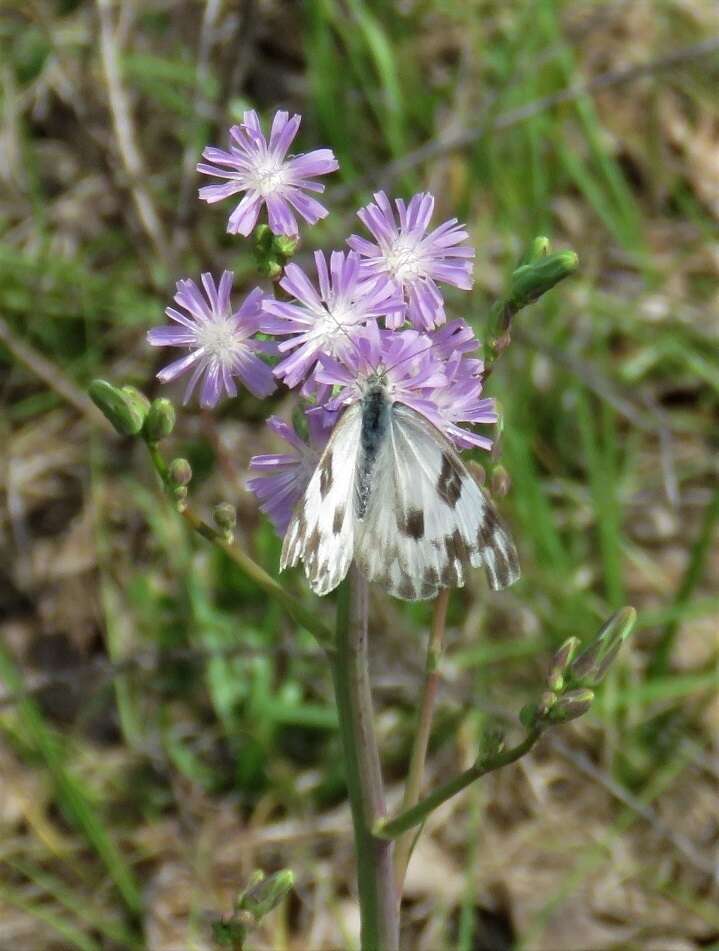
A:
<point x="375" y="420"/>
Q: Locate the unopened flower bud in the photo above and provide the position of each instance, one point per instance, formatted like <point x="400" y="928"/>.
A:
<point x="593" y="663"/>
<point x="546" y="702"/>
<point x="538" y="249"/>
<point x="501" y="482"/>
<point x="225" y="516"/>
<point x="560" y="662"/>
<point x="124" y="410"/>
<point x="530" y="281"/>
<point x="138" y="398"/>
<point x="160" y="420"/>
<point x="479" y="473"/>
<point x="572" y="704"/>
<point x="264" y="894"/>
<point x="180" y="472"/>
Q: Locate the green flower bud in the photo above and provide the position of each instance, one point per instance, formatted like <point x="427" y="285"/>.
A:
<point x="138" y="398"/>
<point x="590" y="668"/>
<point x="530" y="281"/>
<point x="124" y="410"/>
<point x="538" y="249"/>
<point x="160" y="420"/>
<point x="225" y="516"/>
<point x="500" y="483"/>
<point x="560" y="662"/>
<point x="180" y="472"/>
<point x="546" y="702"/>
<point x="286" y="245"/>
<point x="260" y="898"/>
<point x="571" y="705"/>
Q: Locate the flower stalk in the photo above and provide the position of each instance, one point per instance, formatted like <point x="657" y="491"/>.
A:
<point x="379" y="908"/>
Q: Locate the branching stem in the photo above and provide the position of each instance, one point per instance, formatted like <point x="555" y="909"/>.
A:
<point x="413" y="787"/>
<point x="393" y="828"/>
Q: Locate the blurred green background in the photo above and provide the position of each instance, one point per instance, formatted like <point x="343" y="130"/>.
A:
<point x="163" y="729"/>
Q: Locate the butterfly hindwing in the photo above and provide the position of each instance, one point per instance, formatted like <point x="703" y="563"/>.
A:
<point x="321" y="532"/>
<point x="427" y="518"/>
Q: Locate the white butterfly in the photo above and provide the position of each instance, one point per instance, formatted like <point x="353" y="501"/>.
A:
<point x="391" y="493"/>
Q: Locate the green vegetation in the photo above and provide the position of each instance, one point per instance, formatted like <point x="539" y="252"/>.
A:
<point x="165" y="729"/>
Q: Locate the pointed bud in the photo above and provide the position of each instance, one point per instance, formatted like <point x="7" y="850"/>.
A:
<point x="160" y="420"/>
<point x="538" y="249"/>
<point x="500" y="483"/>
<point x="593" y="663"/>
<point x="560" y="662"/>
<point x="180" y="472"/>
<point x="572" y="704"/>
<point x="530" y="281"/>
<point x="123" y="410"/>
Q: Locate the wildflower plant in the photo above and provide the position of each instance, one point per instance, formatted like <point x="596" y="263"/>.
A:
<point x="373" y="311"/>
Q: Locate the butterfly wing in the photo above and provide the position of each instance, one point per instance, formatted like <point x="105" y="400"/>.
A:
<point x="321" y="532"/>
<point x="427" y="518"/>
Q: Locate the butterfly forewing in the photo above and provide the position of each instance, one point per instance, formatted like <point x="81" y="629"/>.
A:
<point x="321" y="533"/>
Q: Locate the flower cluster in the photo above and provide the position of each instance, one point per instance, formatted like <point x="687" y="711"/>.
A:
<point x="373" y="310"/>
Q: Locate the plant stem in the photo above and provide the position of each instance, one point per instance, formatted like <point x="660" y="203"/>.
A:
<point x="413" y="787"/>
<point x="379" y="910"/>
<point x="296" y="610"/>
<point x="393" y="828"/>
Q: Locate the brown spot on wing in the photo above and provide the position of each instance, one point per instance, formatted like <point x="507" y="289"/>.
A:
<point x="338" y="520"/>
<point x="411" y="524"/>
<point x="326" y="473"/>
<point x="488" y="527"/>
<point x="449" y="483"/>
<point x="456" y="547"/>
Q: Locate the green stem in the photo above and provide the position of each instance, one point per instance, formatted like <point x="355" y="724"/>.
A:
<point x="415" y="773"/>
<point x="379" y="910"/>
<point x="265" y="581"/>
<point x="393" y="828"/>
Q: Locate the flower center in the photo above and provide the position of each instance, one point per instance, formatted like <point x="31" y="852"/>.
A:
<point x="268" y="176"/>
<point x="220" y="339"/>
<point x="405" y="261"/>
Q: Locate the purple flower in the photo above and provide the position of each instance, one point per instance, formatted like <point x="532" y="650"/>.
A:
<point x="418" y="371"/>
<point x="324" y="321"/>
<point x="266" y="175"/>
<point x="284" y="476"/>
<point x="219" y="341"/>
<point x="414" y="260"/>
<point x="460" y="401"/>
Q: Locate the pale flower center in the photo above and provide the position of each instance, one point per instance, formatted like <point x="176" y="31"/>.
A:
<point x="220" y="340"/>
<point x="405" y="261"/>
<point x="268" y="175"/>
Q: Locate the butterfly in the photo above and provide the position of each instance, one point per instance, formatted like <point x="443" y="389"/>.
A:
<point x="391" y="492"/>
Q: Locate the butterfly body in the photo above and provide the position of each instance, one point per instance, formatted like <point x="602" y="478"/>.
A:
<point x="391" y="492"/>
